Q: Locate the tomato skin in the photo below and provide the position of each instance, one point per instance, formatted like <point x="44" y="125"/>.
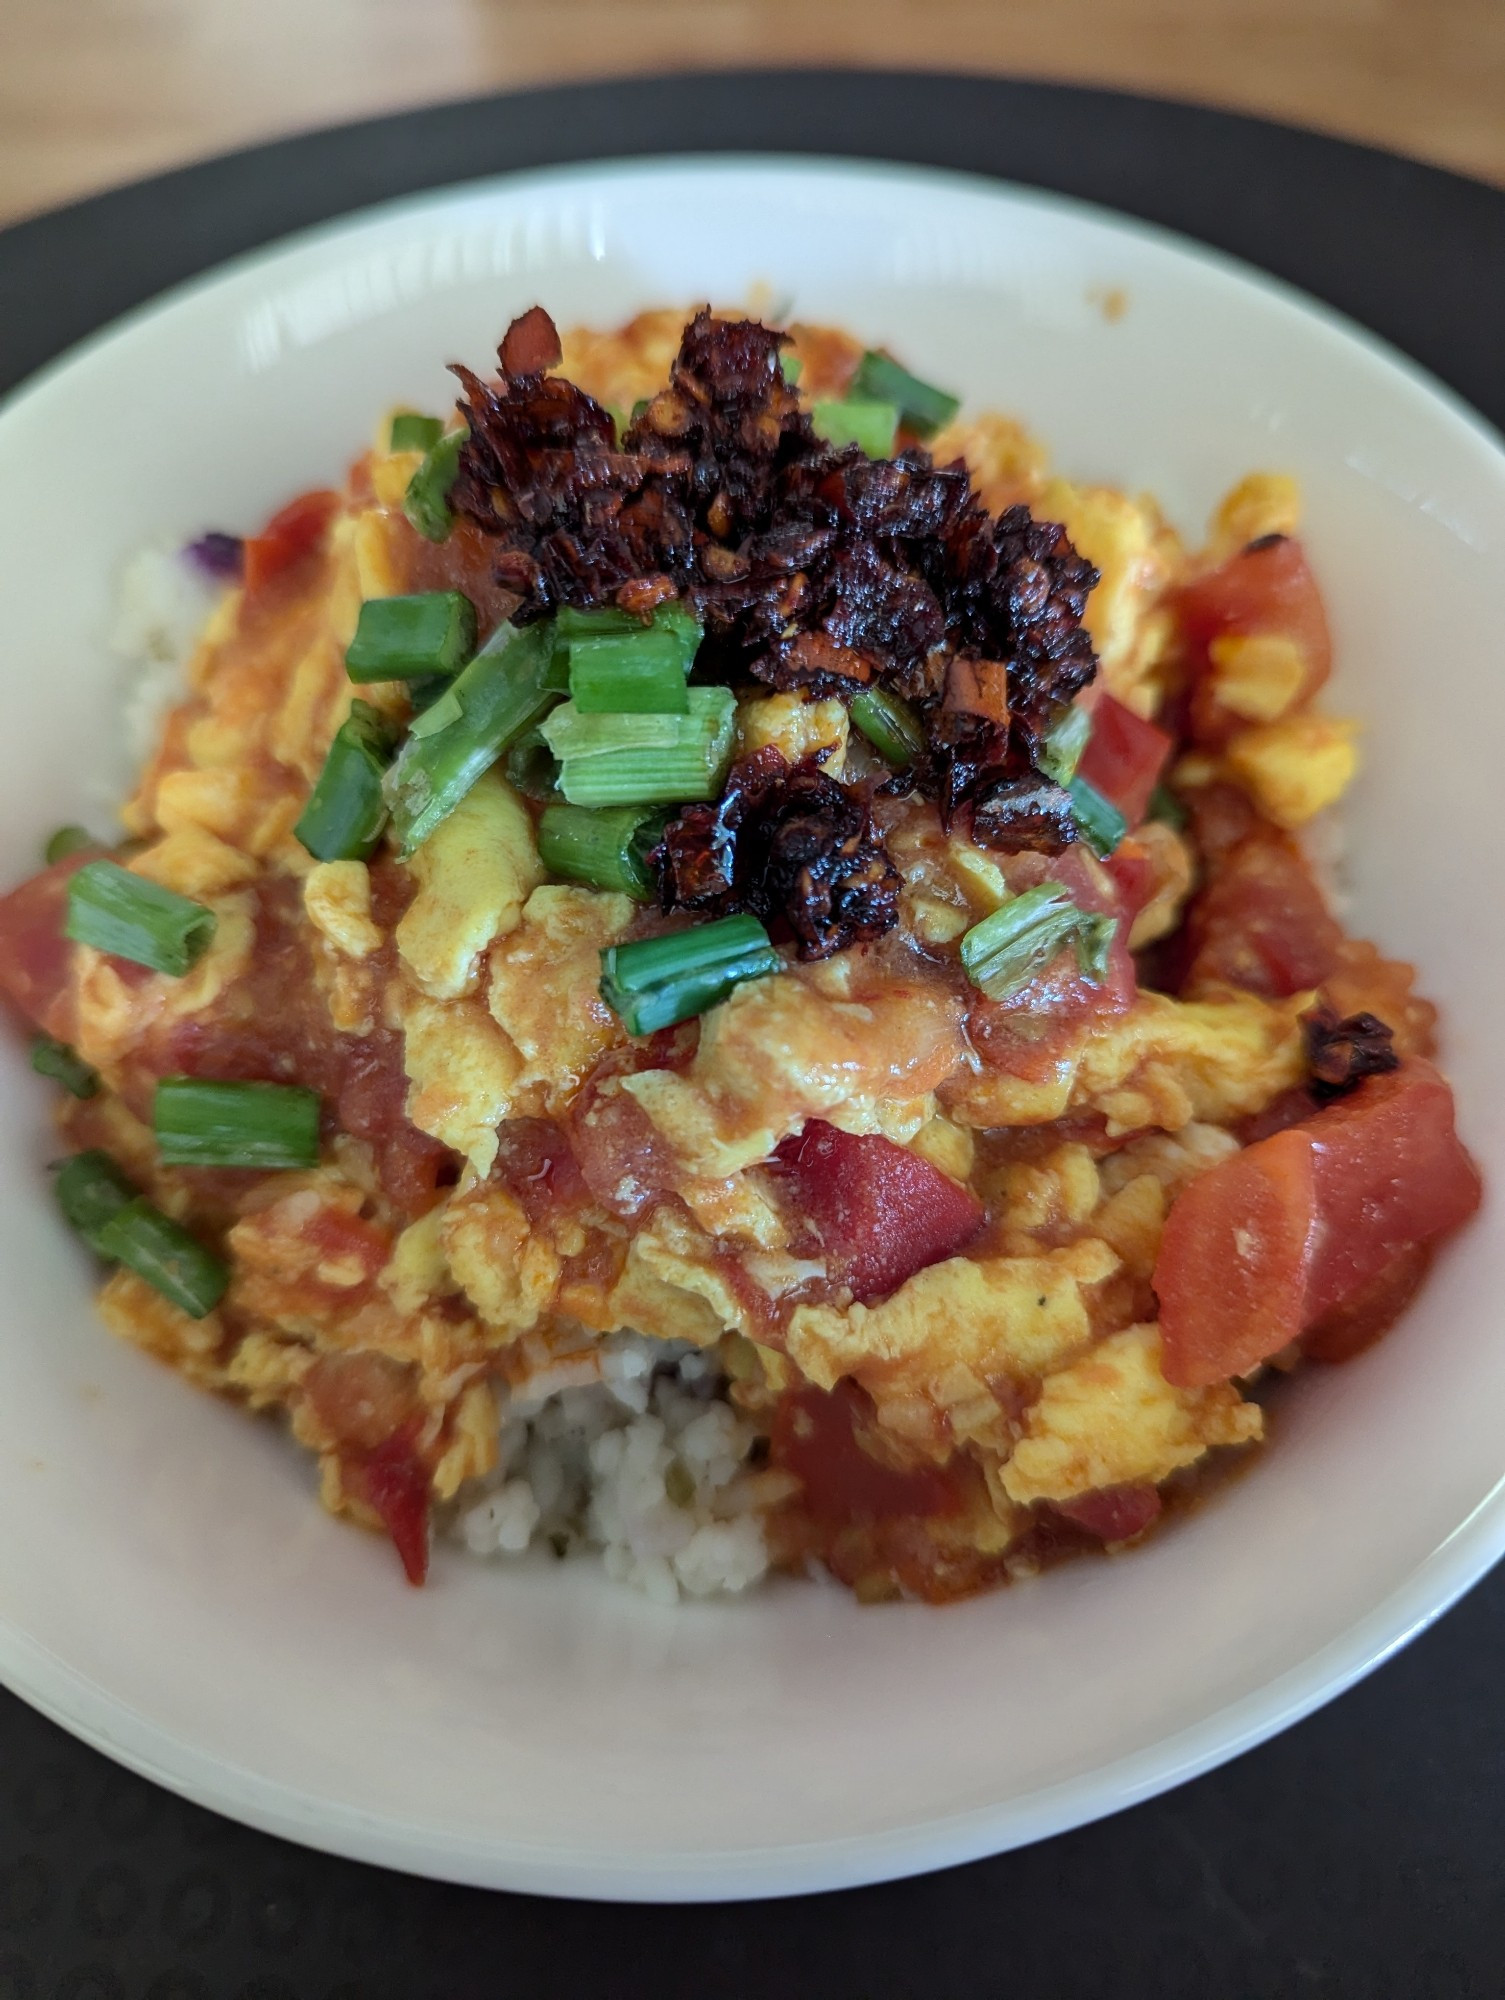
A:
<point x="293" y="532"/>
<point x="394" y="1483"/>
<point x="881" y="1213"/>
<point x="1359" y="1322"/>
<point x="1113" y="1513"/>
<point x="1124" y="757"/>
<point x="35" y="958"/>
<point x="1390" y="1172"/>
<point x="1310" y="1229"/>
<point x="1268" y="587"/>
<point x="814" y="1436"/>
<point x="1231" y="1275"/>
<point x="1261" y="922"/>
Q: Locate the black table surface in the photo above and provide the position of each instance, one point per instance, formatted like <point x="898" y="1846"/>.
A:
<point x="1360" y="1853"/>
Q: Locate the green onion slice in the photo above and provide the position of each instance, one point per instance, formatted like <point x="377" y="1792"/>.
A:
<point x="156" y="1248"/>
<point x="426" y="502"/>
<point x="1102" y="825"/>
<point x="56" y="1060"/>
<point x="408" y="638"/>
<point x="871" y="425"/>
<point x="604" y="849"/>
<point x="636" y="673"/>
<point x="616" y="760"/>
<point x="1165" y="806"/>
<point x="654" y="982"/>
<point x="791" y="367"/>
<point x="923" y="407"/>
<point x="346" y="811"/>
<point x="889" y="724"/>
<point x="504" y="691"/>
<point x="1003" y="953"/>
<point x="66" y="841"/>
<point x="203" y="1123"/>
<point x="1065" y="743"/>
<point x="132" y="917"/>
<point x="1009" y="949"/>
<point x="532" y="768"/>
<point x="91" y="1191"/>
<point x="412" y="432"/>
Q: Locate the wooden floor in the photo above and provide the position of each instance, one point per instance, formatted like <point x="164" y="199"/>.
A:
<point x="96" y="91"/>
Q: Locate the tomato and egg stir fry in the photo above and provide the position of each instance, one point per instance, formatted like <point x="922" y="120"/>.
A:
<point x="714" y="843"/>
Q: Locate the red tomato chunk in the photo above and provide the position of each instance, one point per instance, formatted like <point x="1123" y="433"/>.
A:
<point x="35" y="957"/>
<point x="295" y="531"/>
<point x="1124" y="757"/>
<point x="1267" y="587"/>
<point x="881" y="1213"/>
<point x="1113" y="1513"/>
<point x="1313" y="1220"/>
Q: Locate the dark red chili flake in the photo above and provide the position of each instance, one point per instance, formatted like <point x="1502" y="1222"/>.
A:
<point x="787" y="843"/>
<point x="1340" y="1054"/>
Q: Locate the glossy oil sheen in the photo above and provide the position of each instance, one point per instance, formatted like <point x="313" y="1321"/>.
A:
<point x="169" y="1589"/>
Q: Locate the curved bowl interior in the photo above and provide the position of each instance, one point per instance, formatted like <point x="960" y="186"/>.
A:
<point x="168" y="1587"/>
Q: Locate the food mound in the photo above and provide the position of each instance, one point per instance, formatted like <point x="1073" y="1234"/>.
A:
<point x="716" y="965"/>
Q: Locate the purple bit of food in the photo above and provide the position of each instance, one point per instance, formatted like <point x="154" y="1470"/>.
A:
<point x="217" y="555"/>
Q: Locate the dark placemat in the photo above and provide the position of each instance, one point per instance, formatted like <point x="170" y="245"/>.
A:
<point x="1357" y="1855"/>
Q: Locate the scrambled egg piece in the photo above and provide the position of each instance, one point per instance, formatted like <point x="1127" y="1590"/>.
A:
<point x="670" y="1286"/>
<point x="337" y="898"/>
<point x="623" y="367"/>
<point x="1162" y="1062"/>
<point x="195" y="863"/>
<point x="474" y="873"/>
<point x="1256" y="675"/>
<point x="464" y="1072"/>
<point x="930" y="1355"/>
<point x="796" y="727"/>
<point x="1007" y="464"/>
<point x="136" y="1311"/>
<point x="1295" y="768"/>
<point x="792" y="1047"/>
<point x="1110" y="1418"/>
<point x="508" y="1271"/>
<point x="1263" y="503"/>
<point x="544" y="986"/>
<point x="1139" y="556"/>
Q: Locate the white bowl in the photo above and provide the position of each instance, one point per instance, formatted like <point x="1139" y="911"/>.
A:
<point x="169" y="1590"/>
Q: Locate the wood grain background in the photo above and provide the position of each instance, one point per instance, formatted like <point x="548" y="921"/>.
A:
<point x="97" y="91"/>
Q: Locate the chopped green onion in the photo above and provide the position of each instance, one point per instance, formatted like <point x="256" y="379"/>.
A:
<point x="870" y="425"/>
<point x="503" y="692"/>
<point x="923" y="407"/>
<point x="166" y="1256"/>
<point x="674" y="621"/>
<point x="346" y="811"/>
<point x="1003" y="953"/>
<point x="56" y="1060"/>
<point x="637" y="673"/>
<point x="66" y="841"/>
<point x="619" y="760"/>
<point x="426" y="502"/>
<point x="422" y="694"/>
<point x="639" y="407"/>
<point x="654" y="982"/>
<point x="407" y="638"/>
<point x="132" y="917"/>
<point x="889" y="724"/>
<point x="1103" y="826"/>
<point x="1065" y="742"/>
<point x="605" y="849"/>
<point x="91" y="1191"/>
<point x="532" y="768"/>
<point x="791" y="367"/>
<point x="1093" y="941"/>
<point x="1165" y="806"/>
<point x="411" y="432"/>
<point x="436" y="714"/>
<point x="202" y="1123"/>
